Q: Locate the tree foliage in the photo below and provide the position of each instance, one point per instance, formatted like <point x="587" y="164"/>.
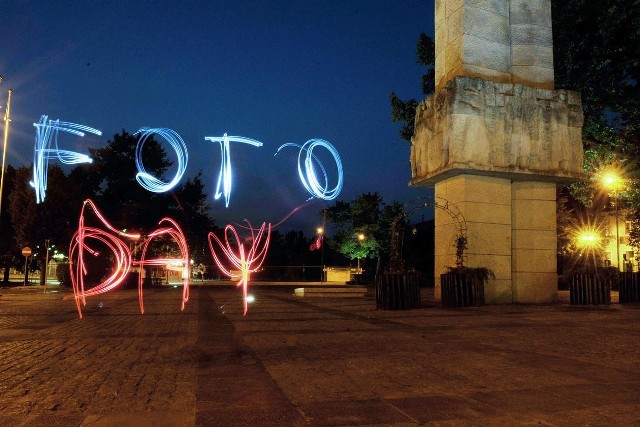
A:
<point x="9" y="250"/>
<point x="369" y="216"/>
<point x="597" y="52"/>
<point x="404" y="111"/>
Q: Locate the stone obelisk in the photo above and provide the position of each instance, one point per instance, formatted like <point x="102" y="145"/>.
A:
<point x="495" y="139"/>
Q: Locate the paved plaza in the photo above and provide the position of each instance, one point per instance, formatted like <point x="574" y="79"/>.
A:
<point x="311" y="362"/>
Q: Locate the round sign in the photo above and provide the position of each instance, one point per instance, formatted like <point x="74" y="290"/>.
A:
<point x="26" y="251"/>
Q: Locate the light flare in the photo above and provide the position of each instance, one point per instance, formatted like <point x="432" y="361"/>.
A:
<point x="246" y="261"/>
<point x="47" y="132"/>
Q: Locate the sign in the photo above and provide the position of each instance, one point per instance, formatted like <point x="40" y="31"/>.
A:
<point x="26" y="251"/>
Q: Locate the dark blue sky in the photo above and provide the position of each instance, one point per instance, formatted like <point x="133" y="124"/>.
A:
<point x="276" y="71"/>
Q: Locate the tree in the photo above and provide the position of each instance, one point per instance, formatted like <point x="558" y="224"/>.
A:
<point x="9" y="250"/>
<point x="405" y="111"/>
<point x="190" y="208"/>
<point x="53" y="220"/>
<point x="597" y="52"/>
<point x="363" y="227"/>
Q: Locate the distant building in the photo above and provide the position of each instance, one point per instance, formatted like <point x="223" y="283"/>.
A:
<point x="627" y="255"/>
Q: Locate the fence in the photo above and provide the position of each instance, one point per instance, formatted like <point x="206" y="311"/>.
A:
<point x="459" y="290"/>
<point x="590" y="288"/>
<point x="629" y="287"/>
<point x="398" y="291"/>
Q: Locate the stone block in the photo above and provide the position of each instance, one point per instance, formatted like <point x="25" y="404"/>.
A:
<point x="529" y="190"/>
<point x="451" y="6"/>
<point x="534" y="260"/>
<point x="500" y="7"/>
<point x="453" y="54"/>
<point x="440" y="39"/>
<point x="534" y="239"/>
<point x="532" y="12"/>
<point x="534" y="215"/>
<point x="472" y="70"/>
<point x="529" y="134"/>
<point x="527" y="34"/>
<point x="498" y="292"/>
<point x="470" y="188"/>
<point x="532" y="55"/>
<point x="535" y="288"/>
<point x="534" y="76"/>
<point x="486" y="53"/>
<point x="486" y="25"/>
<point x="485" y="239"/>
<point x="439" y="12"/>
<point x="487" y="212"/>
<point x="455" y="27"/>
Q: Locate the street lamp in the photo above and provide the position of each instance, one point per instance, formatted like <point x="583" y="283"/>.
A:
<point x="613" y="182"/>
<point x="361" y="238"/>
<point x="7" y="119"/>
<point x="320" y="232"/>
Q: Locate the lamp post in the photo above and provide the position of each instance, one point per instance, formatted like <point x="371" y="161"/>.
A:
<point x="320" y="232"/>
<point x="361" y="238"/>
<point x="612" y="181"/>
<point x="7" y="119"/>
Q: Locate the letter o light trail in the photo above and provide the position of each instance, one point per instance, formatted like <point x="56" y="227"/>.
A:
<point x="145" y="179"/>
<point x="309" y="177"/>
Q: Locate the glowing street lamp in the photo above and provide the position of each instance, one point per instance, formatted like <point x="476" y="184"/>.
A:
<point x="588" y="239"/>
<point x="7" y="119"/>
<point x="320" y="232"/>
<point x="613" y="182"/>
<point x="361" y="238"/>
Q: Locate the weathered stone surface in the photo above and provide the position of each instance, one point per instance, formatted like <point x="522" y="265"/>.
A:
<point x="487" y="128"/>
<point x="506" y="41"/>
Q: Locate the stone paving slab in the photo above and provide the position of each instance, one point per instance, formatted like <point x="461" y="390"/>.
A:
<point x="311" y="362"/>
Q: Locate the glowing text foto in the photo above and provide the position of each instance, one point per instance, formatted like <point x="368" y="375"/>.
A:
<point x="225" y="176"/>
<point x="46" y="132"/>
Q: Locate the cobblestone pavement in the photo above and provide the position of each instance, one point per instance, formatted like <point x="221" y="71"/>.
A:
<point x="311" y="361"/>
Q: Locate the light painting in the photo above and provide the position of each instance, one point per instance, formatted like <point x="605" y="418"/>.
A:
<point x="150" y="182"/>
<point x="46" y="147"/>
<point x="308" y="166"/>
<point x="225" y="174"/>
<point x="245" y="260"/>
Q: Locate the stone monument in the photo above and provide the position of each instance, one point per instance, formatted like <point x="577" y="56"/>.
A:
<point x="495" y="139"/>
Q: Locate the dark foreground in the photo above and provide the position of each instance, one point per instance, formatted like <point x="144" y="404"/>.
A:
<point x="320" y="362"/>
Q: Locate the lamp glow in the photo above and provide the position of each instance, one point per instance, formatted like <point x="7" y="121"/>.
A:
<point x="150" y="182"/>
<point x="225" y="175"/>
<point x="47" y="131"/>
<point x="309" y="178"/>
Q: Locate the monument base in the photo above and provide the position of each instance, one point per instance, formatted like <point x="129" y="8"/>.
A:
<point x="511" y="229"/>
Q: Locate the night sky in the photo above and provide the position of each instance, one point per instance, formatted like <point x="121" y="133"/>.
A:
<point x="276" y="71"/>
